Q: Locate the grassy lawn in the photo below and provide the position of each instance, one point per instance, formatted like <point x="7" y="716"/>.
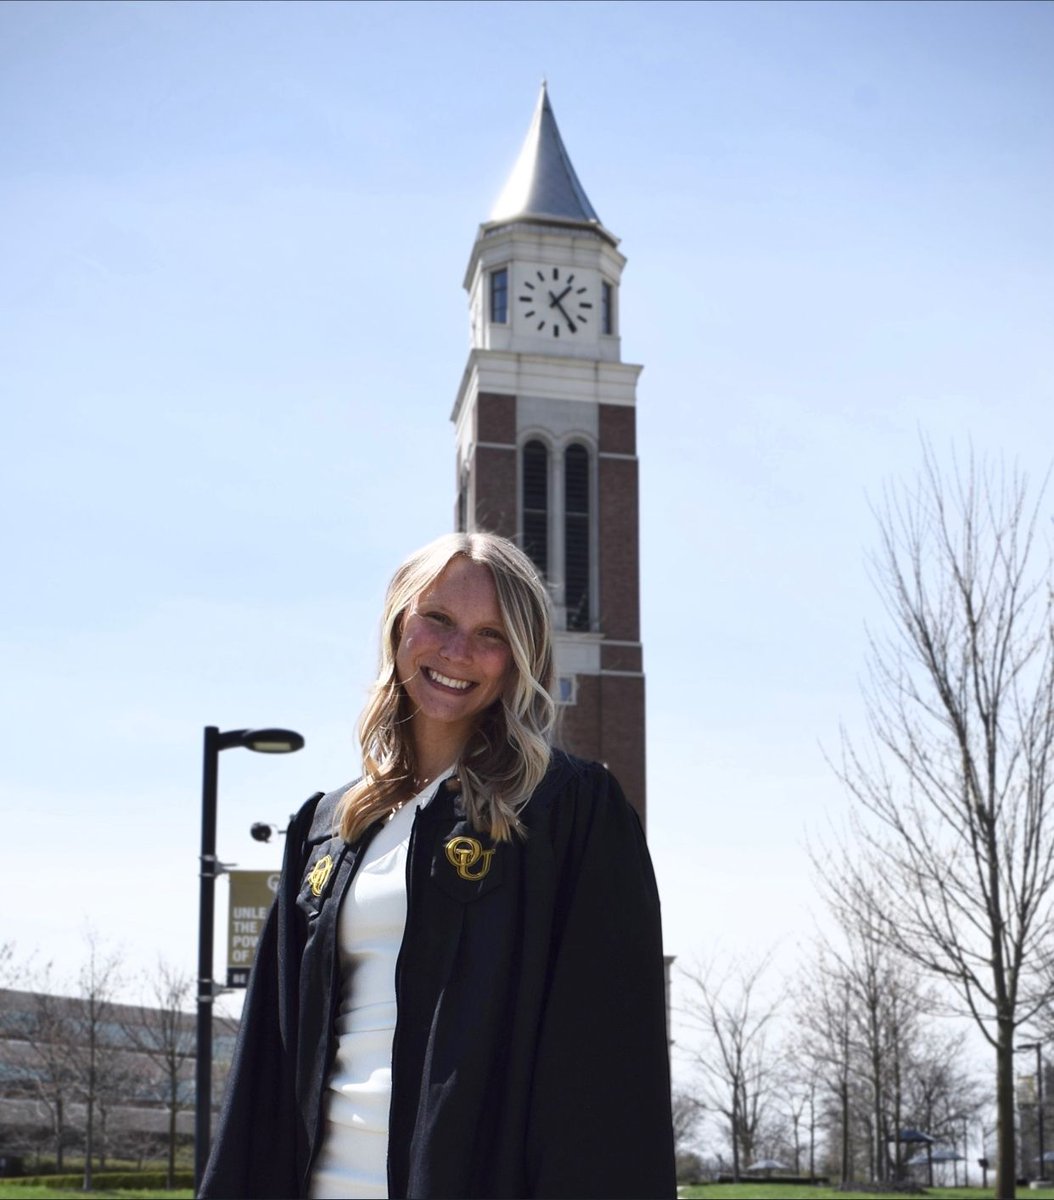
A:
<point x="773" y="1191"/>
<point x="9" y="1191"/>
<point x="710" y="1191"/>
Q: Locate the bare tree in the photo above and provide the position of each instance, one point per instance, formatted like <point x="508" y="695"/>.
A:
<point x="738" y="1067"/>
<point x="797" y="1107"/>
<point x="95" y="984"/>
<point x="955" y="847"/>
<point x="163" y="1032"/>
<point x="886" y="1003"/>
<point x="940" y="1093"/>
<point x="686" y="1113"/>
<point x="118" y="1078"/>
<point x="47" y="1032"/>
<point x="824" y="1047"/>
<point x="797" y="1104"/>
<point x="10" y="971"/>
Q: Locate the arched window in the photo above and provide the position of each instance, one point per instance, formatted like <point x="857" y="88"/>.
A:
<point x="536" y="504"/>
<point x="462" y="504"/>
<point x="576" y="536"/>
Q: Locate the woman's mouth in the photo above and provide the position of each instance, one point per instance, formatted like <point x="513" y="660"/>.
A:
<point x="457" y="685"/>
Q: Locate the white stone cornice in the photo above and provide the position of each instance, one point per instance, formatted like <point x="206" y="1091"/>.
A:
<point x="535" y="242"/>
<point x="546" y="376"/>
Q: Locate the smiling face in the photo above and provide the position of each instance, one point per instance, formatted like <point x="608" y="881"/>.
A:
<point x="453" y="659"/>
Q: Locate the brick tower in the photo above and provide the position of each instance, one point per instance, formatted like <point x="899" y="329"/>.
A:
<point x="545" y="422"/>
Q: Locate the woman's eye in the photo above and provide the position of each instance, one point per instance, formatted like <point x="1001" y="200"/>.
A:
<point x="493" y="633"/>
<point x="439" y="617"/>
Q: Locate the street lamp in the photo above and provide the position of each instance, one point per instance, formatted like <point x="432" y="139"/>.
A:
<point x="264" y="741"/>
<point x="1037" y="1046"/>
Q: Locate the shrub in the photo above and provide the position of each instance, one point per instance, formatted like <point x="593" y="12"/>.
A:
<point x="108" y="1180"/>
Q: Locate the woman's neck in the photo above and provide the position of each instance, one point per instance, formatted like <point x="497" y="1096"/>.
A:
<point x="425" y="774"/>
<point x="433" y="755"/>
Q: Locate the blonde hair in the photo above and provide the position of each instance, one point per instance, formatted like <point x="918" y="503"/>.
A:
<point x="507" y="754"/>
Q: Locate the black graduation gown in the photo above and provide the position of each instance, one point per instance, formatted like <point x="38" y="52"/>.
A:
<point x="530" y="1055"/>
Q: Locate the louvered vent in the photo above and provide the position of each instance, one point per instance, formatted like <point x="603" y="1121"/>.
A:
<point x="536" y="504"/>
<point x="576" y="536"/>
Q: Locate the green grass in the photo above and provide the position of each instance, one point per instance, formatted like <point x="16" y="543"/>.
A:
<point x="10" y="1191"/>
<point x="773" y="1191"/>
<point x="710" y="1191"/>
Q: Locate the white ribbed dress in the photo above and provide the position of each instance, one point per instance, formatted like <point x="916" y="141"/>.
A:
<point x="353" y="1158"/>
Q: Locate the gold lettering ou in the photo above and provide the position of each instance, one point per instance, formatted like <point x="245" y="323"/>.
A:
<point x="464" y="852"/>
<point x="319" y="874"/>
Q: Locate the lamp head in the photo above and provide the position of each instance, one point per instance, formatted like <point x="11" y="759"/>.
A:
<point x="263" y="741"/>
<point x="272" y="741"/>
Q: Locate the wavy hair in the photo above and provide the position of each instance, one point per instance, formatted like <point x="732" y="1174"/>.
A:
<point x="506" y="756"/>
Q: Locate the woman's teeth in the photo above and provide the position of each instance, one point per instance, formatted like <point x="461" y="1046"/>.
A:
<point x="446" y="681"/>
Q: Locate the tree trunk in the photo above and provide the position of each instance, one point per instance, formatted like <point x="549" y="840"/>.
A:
<point x="846" y="1172"/>
<point x="812" y="1131"/>
<point x="60" y="1160"/>
<point x="1006" y="1159"/>
<point x="898" y="1117"/>
<point x="170" y="1181"/>
<point x="875" y="1037"/>
<point x="89" y="1139"/>
<point x="878" y="1150"/>
<point x="735" y="1132"/>
<point x="966" y="1151"/>
<point x="89" y="1144"/>
<point x="796" y="1121"/>
<point x="873" y="1140"/>
<point x="929" y="1146"/>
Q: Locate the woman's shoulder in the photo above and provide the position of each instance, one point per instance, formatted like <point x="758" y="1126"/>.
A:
<point x="567" y="771"/>
<point x="580" y="815"/>
<point x="576" y="790"/>
<point x="316" y="820"/>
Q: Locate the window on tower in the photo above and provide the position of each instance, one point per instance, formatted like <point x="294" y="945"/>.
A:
<point x="499" y="296"/>
<point x="462" y="504"/>
<point x="536" y="504"/>
<point x="607" y="308"/>
<point x="576" y="536"/>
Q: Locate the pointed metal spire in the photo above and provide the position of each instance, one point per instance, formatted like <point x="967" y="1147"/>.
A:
<point x="543" y="183"/>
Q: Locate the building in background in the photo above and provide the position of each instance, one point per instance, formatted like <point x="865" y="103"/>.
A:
<point x="545" y="422"/>
<point x="44" y="1078"/>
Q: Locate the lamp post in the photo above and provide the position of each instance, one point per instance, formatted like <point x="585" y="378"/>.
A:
<point x="1037" y="1046"/>
<point x="264" y="741"/>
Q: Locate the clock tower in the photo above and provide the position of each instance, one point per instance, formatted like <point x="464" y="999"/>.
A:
<point x="545" y="422"/>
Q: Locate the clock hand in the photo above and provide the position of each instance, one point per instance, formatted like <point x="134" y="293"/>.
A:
<point x="570" y="323"/>
<point x="554" y="301"/>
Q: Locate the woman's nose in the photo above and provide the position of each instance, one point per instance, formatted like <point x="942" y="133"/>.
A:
<point x="457" y="646"/>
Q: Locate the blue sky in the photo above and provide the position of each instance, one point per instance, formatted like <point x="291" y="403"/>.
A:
<point x="232" y="328"/>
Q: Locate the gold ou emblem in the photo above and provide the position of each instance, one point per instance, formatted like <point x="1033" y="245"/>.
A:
<point x="464" y="852"/>
<point x="319" y="874"/>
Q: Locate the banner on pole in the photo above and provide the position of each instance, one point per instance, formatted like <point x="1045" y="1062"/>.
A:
<point x="252" y="893"/>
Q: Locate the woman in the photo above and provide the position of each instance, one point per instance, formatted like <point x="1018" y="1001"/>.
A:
<point x="460" y="990"/>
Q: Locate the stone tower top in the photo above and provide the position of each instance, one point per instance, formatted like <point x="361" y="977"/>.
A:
<point x="543" y="184"/>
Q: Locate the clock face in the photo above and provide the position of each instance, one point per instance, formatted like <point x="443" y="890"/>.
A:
<point x="554" y="299"/>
